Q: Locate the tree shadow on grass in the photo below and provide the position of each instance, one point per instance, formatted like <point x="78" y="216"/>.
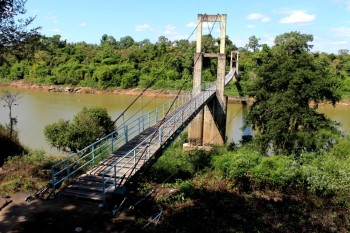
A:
<point x="198" y="210"/>
<point x="227" y="211"/>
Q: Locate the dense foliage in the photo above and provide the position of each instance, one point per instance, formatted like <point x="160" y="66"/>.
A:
<point x="9" y="141"/>
<point x="124" y="63"/>
<point x="290" y="80"/>
<point x="89" y="125"/>
<point x="15" y="37"/>
<point x="10" y="145"/>
<point x="230" y="187"/>
<point x="26" y="172"/>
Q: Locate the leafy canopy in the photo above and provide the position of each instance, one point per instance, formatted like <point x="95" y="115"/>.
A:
<point x="287" y="90"/>
<point x="86" y="127"/>
<point x="253" y="43"/>
<point x="14" y="36"/>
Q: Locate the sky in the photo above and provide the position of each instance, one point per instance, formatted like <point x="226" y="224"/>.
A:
<point x="87" y="20"/>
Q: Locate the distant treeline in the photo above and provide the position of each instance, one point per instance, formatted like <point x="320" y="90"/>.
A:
<point x="124" y="63"/>
<point x="128" y="64"/>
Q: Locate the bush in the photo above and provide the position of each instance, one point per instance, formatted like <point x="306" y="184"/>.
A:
<point x="179" y="164"/>
<point x="104" y="75"/>
<point x="328" y="174"/>
<point x="87" y="126"/>
<point x="277" y="171"/>
<point x="237" y="164"/>
<point x="187" y="188"/>
<point x="173" y="162"/>
<point x="4" y="71"/>
<point x="9" y="146"/>
<point x="18" y="70"/>
<point x="39" y="72"/>
<point x="26" y="172"/>
<point x="129" y="80"/>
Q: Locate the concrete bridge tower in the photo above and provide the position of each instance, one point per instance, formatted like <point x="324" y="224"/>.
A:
<point x="209" y="126"/>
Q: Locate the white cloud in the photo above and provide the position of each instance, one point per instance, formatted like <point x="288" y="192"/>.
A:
<point x="52" y="17"/>
<point x="54" y="30"/>
<point x="345" y="2"/>
<point x="83" y="24"/>
<point x="298" y="17"/>
<point x="265" y="19"/>
<point x="173" y="35"/>
<point x="140" y="28"/>
<point x="257" y="16"/>
<point x="191" y="25"/>
<point x="341" y="31"/>
<point x="340" y="42"/>
<point x="169" y="29"/>
<point x="250" y="26"/>
<point x="267" y="39"/>
<point x="254" y="16"/>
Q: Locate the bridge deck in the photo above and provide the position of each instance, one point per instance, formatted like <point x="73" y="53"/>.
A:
<point x="113" y="172"/>
<point x="91" y="184"/>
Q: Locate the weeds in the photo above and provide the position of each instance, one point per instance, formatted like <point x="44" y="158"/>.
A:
<point x="26" y="172"/>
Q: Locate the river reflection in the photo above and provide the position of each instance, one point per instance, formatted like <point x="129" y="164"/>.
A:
<point x="38" y="108"/>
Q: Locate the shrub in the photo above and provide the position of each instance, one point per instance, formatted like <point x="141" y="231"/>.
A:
<point x="38" y="72"/>
<point x="237" y="164"/>
<point x="179" y="164"/>
<point x="186" y="187"/>
<point x="87" y="126"/>
<point x="25" y="172"/>
<point x="328" y="174"/>
<point x="277" y="171"/>
<point x="129" y="80"/>
<point x="18" y="70"/>
<point x="9" y="146"/>
<point x="4" y="71"/>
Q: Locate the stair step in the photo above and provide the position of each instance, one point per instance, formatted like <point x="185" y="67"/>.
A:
<point x="93" y="196"/>
<point x="89" y="177"/>
<point x="79" y="186"/>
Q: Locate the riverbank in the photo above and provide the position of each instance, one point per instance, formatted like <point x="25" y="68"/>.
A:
<point x="131" y="92"/>
<point x="88" y="90"/>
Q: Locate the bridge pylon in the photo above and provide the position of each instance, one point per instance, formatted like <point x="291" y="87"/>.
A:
<point x="209" y="126"/>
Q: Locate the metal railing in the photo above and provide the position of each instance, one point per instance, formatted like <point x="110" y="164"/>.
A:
<point x="90" y="155"/>
<point x="126" y="165"/>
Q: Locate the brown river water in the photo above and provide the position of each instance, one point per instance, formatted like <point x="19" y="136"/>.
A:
<point x="38" y="108"/>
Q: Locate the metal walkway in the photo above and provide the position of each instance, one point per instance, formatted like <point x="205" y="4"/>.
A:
<point x="105" y="166"/>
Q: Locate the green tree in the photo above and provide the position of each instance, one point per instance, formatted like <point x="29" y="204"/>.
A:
<point x="14" y="36"/>
<point x="108" y="40"/>
<point x="126" y="42"/>
<point x="87" y="126"/>
<point x="253" y="43"/>
<point x="294" y="42"/>
<point x="343" y="51"/>
<point x="288" y="82"/>
<point x="11" y="100"/>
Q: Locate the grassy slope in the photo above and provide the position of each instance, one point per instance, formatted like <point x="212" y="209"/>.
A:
<point x="222" y="191"/>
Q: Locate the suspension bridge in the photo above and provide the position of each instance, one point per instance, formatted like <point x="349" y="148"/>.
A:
<point x="105" y="167"/>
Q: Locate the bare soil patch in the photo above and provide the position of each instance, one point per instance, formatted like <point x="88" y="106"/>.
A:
<point x="57" y="215"/>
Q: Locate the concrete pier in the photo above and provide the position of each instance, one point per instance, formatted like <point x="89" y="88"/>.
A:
<point x="209" y="127"/>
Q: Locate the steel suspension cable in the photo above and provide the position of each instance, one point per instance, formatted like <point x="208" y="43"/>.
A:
<point x="155" y="78"/>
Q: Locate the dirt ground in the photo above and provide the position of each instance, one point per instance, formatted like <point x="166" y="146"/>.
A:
<point x="55" y="215"/>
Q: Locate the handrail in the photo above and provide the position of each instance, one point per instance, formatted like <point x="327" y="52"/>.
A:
<point x="75" y="162"/>
<point x="164" y="132"/>
<point x="117" y="138"/>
